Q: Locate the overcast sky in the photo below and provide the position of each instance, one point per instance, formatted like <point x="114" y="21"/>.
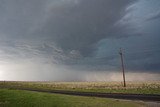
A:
<point x="79" y="40"/>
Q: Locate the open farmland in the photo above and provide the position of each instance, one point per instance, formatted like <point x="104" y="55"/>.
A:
<point x="15" y="94"/>
<point x="105" y="87"/>
<point x="19" y="98"/>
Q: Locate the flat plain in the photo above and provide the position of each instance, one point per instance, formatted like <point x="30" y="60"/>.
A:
<point x="152" y="87"/>
<point x="21" y="98"/>
<point x="13" y="95"/>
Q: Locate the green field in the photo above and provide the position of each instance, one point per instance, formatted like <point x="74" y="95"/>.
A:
<point x="105" y="87"/>
<point x="17" y="98"/>
<point x="10" y="96"/>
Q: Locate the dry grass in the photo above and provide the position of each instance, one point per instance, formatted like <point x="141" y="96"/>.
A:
<point x="111" y="87"/>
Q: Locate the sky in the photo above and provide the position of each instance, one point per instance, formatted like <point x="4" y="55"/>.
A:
<point x="79" y="40"/>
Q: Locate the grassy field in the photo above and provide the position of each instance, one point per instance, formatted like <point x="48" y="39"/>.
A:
<point x="105" y="87"/>
<point x="17" y="98"/>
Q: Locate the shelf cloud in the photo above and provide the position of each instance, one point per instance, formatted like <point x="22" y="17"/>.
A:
<point x="73" y="40"/>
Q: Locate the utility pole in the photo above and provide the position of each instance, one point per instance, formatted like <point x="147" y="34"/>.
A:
<point x="121" y="54"/>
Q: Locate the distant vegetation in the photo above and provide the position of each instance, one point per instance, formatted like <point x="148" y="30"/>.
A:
<point x="105" y="87"/>
<point x="17" y="98"/>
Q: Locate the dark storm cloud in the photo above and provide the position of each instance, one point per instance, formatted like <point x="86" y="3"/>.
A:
<point x="69" y="24"/>
<point x="144" y="62"/>
<point x="71" y="38"/>
<point x="80" y="26"/>
<point x="154" y="16"/>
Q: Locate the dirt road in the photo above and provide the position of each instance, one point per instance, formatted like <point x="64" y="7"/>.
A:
<point x="143" y="97"/>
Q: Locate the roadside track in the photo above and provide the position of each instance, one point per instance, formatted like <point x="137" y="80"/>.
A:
<point x="143" y="97"/>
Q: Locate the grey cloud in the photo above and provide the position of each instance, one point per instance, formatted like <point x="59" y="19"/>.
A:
<point x="71" y="25"/>
<point x="18" y="16"/>
<point x="54" y="37"/>
<point x="146" y="62"/>
<point x="154" y="16"/>
<point x="14" y="51"/>
<point x="81" y="26"/>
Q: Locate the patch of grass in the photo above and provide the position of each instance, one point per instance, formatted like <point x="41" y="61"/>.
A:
<point x="18" y="98"/>
<point x="105" y="87"/>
